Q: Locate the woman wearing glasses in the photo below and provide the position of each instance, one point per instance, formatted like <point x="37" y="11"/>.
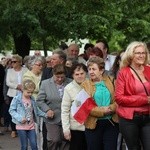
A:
<point x="14" y="82"/>
<point x="36" y="65"/>
<point x="133" y="96"/>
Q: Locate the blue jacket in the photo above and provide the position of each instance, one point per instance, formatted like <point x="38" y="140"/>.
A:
<point x="17" y="109"/>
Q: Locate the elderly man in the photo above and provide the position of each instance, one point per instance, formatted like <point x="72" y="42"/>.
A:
<point x="37" y="53"/>
<point x="58" y="57"/>
<point x="73" y="53"/>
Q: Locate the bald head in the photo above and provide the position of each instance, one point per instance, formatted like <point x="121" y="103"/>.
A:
<point x="73" y="51"/>
<point x="37" y="53"/>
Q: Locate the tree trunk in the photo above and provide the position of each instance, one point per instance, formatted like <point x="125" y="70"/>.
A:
<point x="42" y="23"/>
<point x="22" y="45"/>
<point x="44" y="47"/>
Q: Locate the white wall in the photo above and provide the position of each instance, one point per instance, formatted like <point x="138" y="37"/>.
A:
<point x="49" y="53"/>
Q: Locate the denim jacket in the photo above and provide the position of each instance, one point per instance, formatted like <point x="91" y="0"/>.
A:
<point x="17" y="109"/>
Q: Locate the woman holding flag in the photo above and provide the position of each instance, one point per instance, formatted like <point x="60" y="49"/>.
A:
<point x="101" y="127"/>
<point x="73" y="130"/>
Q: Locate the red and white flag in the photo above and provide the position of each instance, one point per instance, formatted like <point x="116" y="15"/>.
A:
<point x="82" y="106"/>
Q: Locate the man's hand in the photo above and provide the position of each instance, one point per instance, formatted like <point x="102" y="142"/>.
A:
<point x="50" y="114"/>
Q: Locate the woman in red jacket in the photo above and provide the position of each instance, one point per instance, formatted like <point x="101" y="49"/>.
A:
<point x="133" y="96"/>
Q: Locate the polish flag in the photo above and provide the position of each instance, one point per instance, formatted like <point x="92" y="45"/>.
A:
<point x="82" y="106"/>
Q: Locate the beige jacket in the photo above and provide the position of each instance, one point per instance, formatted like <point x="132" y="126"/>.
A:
<point x="36" y="79"/>
<point x="98" y="112"/>
<point x="68" y="122"/>
<point x="12" y="80"/>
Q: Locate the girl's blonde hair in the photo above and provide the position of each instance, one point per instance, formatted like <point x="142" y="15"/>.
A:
<point x="28" y="85"/>
<point x="129" y="54"/>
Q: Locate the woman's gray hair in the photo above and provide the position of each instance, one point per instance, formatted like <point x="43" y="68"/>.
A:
<point x="35" y="59"/>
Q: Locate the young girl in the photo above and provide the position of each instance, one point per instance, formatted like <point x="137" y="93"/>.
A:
<point x="24" y="114"/>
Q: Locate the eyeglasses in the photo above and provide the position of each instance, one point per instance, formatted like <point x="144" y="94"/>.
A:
<point x="140" y="53"/>
<point x="39" y="65"/>
<point x="14" y="61"/>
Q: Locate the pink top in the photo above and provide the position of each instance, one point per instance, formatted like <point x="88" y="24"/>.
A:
<point x="141" y="91"/>
<point x="29" y="125"/>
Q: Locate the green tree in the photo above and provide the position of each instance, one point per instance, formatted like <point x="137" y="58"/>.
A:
<point x="43" y="23"/>
<point x="19" y="23"/>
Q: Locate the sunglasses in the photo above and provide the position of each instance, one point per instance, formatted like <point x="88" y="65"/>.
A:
<point x="14" y="61"/>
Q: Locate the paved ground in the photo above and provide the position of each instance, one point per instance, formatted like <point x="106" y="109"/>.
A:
<point x="9" y="143"/>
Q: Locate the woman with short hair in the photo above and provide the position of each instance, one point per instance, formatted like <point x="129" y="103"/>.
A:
<point x="73" y="130"/>
<point x="35" y="73"/>
<point x="14" y="78"/>
<point x="101" y="127"/>
<point x="49" y="100"/>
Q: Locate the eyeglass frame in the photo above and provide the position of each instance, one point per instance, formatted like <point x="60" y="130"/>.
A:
<point x="140" y="53"/>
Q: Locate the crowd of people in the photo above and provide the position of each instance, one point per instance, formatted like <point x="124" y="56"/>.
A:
<point x="38" y="94"/>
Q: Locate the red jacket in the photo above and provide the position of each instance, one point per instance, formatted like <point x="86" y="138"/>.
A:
<point x="125" y="93"/>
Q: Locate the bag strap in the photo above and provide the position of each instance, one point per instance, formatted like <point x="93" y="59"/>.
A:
<point x="112" y="79"/>
<point x="140" y="81"/>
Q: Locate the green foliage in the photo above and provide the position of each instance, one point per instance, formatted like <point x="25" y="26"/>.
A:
<point x="48" y="22"/>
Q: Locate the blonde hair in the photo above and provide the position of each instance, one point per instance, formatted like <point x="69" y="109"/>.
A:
<point x="18" y="58"/>
<point x="28" y="85"/>
<point x="129" y="54"/>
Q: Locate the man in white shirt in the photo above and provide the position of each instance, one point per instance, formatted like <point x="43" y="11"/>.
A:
<point x="109" y="59"/>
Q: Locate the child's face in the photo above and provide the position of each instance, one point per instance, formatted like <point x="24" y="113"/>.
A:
<point x="28" y="93"/>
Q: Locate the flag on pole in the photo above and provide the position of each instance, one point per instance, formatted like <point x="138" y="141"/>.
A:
<point x="82" y="106"/>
